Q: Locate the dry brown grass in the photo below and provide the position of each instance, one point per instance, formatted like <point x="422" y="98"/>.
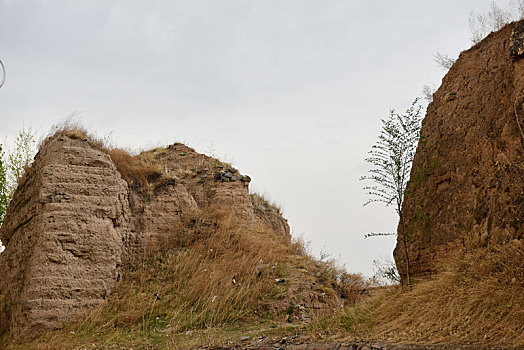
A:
<point x="185" y="293"/>
<point x="478" y="298"/>
<point x="263" y="203"/>
<point x="140" y="171"/>
<point x="74" y="129"/>
<point x="198" y="277"/>
<point x="189" y="288"/>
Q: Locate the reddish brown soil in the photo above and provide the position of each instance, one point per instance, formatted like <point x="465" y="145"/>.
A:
<point x="467" y="182"/>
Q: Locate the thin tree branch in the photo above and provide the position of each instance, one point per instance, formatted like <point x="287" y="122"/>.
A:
<point x="517" y="119"/>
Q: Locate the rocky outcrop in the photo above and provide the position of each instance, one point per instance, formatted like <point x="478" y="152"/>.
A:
<point x="74" y="222"/>
<point x="467" y="182"/>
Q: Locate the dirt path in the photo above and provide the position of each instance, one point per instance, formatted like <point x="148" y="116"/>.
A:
<point x="297" y="343"/>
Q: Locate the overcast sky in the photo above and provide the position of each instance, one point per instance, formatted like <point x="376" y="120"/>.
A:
<point x="290" y="91"/>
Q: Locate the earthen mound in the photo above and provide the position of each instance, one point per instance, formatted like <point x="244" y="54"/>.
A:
<point x="84" y="217"/>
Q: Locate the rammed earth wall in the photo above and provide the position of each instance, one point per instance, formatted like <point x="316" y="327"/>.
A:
<point x="467" y="181"/>
<point x="74" y="222"/>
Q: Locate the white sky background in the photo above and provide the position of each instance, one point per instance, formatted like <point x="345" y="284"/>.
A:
<point x="290" y="91"/>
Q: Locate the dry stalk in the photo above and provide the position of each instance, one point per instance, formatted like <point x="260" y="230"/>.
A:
<point x="517" y="119"/>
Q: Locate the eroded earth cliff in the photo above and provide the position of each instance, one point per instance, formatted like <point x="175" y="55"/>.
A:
<point x="63" y="235"/>
<point x="467" y="182"/>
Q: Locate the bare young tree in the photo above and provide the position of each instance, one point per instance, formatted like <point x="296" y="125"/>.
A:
<point x="518" y="6"/>
<point x="481" y="25"/>
<point x="428" y="92"/>
<point x="391" y="159"/>
<point x="444" y="60"/>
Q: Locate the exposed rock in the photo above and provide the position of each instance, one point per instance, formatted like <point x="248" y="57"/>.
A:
<point x="73" y="223"/>
<point x="516" y="44"/>
<point x="467" y="182"/>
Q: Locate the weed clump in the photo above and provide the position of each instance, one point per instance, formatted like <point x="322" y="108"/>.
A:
<point x="261" y="202"/>
<point x="75" y="130"/>
<point x="140" y="171"/>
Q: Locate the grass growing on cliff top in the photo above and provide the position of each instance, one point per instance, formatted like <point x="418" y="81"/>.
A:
<point x="263" y="202"/>
<point x="141" y="171"/>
